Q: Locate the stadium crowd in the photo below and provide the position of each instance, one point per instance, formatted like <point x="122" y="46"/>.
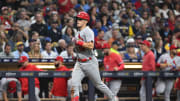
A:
<point x="45" y="28"/>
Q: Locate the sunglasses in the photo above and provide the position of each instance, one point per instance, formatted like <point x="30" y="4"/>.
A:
<point x="80" y="19"/>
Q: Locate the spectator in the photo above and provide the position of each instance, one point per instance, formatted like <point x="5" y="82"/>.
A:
<point x="35" y="52"/>
<point x="20" y="50"/>
<point x="99" y="41"/>
<point x="122" y="46"/>
<point x="93" y="16"/>
<point x="164" y="11"/>
<point x="66" y="5"/>
<point x="7" y="52"/>
<point x="124" y="25"/>
<point x="171" y="22"/>
<point x="137" y="27"/>
<point x="69" y="52"/>
<point x="166" y="62"/>
<point x="39" y="26"/>
<point x="98" y="26"/>
<point x="48" y="53"/>
<point x="166" y="33"/>
<point x="54" y="33"/>
<point x="17" y="34"/>
<point x="147" y="65"/>
<point x="9" y="86"/>
<point x="158" y="50"/>
<point x="35" y="36"/>
<point x="69" y="22"/>
<point x="5" y="18"/>
<point x="114" y="47"/>
<point x="26" y="66"/>
<point x="3" y="38"/>
<point x="31" y="43"/>
<point x="69" y="35"/>
<point x="131" y="52"/>
<point x="113" y="62"/>
<point x="115" y="36"/>
<point x="59" y="89"/>
<point x="24" y="22"/>
<point x="61" y="46"/>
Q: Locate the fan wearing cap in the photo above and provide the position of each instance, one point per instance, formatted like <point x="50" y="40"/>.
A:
<point x="86" y="64"/>
<point x="59" y="89"/>
<point x="26" y="66"/>
<point x="20" y="50"/>
<point x="5" y="18"/>
<point x="167" y="62"/>
<point x="113" y="62"/>
<point x="148" y="64"/>
<point x="9" y="86"/>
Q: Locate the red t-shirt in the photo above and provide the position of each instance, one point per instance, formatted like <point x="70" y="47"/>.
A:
<point x="111" y="61"/>
<point x="64" y="9"/>
<point x="24" y="81"/>
<point x="60" y="84"/>
<point x="148" y="62"/>
<point x="98" y="42"/>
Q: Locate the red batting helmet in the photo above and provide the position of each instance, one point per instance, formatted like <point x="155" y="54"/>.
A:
<point x="83" y="15"/>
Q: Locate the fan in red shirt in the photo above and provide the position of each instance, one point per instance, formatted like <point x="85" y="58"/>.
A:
<point x="26" y="66"/>
<point x="65" y="5"/>
<point x="99" y="41"/>
<point x="59" y="89"/>
<point x="147" y="65"/>
<point x="113" y="62"/>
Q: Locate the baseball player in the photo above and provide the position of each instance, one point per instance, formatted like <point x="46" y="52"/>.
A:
<point x="166" y="62"/>
<point x="59" y="89"/>
<point x="9" y="86"/>
<point x="25" y="66"/>
<point x="113" y="62"/>
<point x="177" y="84"/>
<point x="86" y="63"/>
<point x="147" y="65"/>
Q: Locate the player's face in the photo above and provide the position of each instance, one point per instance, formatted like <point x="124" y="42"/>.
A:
<point x="81" y="22"/>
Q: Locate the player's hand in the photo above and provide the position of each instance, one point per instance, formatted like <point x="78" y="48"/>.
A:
<point x="50" y="95"/>
<point x="79" y="42"/>
<point x="115" y="69"/>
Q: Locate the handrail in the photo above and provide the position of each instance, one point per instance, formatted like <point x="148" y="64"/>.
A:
<point x="148" y="75"/>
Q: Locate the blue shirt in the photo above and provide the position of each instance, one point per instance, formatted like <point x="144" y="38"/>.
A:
<point x="17" y="55"/>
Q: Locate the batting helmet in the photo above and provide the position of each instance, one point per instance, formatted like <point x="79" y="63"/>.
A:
<point x="83" y="15"/>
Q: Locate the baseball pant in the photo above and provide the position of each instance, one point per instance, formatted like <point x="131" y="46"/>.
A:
<point x="142" y="91"/>
<point x="91" y="70"/>
<point x="36" y="94"/>
<point x="115" y="86"/>
<point x="164" y="86"/>
<point x="59" y="97"/>
<point x="178" y="95"/>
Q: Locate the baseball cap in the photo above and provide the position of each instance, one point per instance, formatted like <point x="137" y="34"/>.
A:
<point x="145" y="42"/>
<point x="19" y="43"/>
<point x="149" y="39"/>
<point x="130" y="40"/>
<point x="23" y="59"/>
<point x="48" y="39"/>
<point x="4" y="8"/>
<point x="12" y="87"/>
<point x="125" y="16"/>
<point x="115" y="26"/>
<point x="116" y="43"/>
<point x="59" y="58"/>
<point x="173" y="47"/>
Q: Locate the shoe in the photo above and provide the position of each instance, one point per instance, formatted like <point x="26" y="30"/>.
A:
<point x="75" y="98"/>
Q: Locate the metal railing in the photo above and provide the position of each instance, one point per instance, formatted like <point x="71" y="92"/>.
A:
<point x="121" y="74"/>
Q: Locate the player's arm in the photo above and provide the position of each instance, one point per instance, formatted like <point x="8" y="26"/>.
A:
<point x="5" y="96"/>
<point x="89" y="45"/>
<point x="19" y="93"/>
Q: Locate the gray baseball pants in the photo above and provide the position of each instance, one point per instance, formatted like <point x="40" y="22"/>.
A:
<point x="115" y="86"/>
<point x="164" y="86"/>
<point x="91" y="70"/>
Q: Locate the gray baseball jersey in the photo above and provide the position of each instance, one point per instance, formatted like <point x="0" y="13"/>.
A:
<point x="5" y="82"/>
<point x="86" y="35"/>
<point x="166" y="58"/>
<point x="88" y="68"/>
